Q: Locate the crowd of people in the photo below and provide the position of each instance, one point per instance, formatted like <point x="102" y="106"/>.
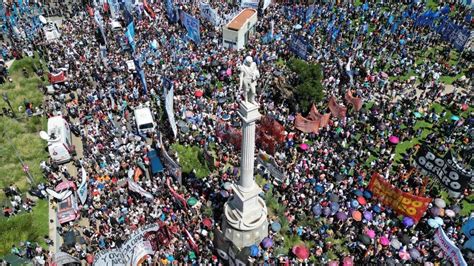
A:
<point x="321" y="181"/>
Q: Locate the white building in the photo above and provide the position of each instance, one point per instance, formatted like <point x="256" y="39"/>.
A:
<point x="237" y="32"/>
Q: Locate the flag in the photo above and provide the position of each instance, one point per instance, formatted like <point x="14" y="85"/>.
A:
<point x="149" y="9"/>
<point x="337" y="110"/>
<point x="355" y="101"/>
<point x="90" y="10"/>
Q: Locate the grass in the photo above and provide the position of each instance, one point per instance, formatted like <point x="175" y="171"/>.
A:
<point x="189" y="160"/>
<point x="30" y="227"/>
<point x="20" y="136"/>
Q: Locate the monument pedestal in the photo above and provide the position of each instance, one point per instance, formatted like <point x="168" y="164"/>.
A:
<point x="245" y="214"/>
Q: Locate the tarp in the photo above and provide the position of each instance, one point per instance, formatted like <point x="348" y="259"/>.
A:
<point x="401" y="202"/>
<point x="155" y="162"/>
<point x="449" y="248"/>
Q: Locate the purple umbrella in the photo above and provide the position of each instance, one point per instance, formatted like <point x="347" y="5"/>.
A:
<point x="435" y="211"/>
<point x="267" y="242"/>
<point x="368" y="215"/>
<point x="341" y="216"/>
<point x="408" y="221"/>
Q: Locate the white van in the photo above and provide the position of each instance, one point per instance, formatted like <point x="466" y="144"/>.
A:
<point x="59" y="140"/>
<point x="144" y="120"/>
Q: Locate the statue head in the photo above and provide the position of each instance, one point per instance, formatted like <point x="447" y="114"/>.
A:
<point x="248" y="60"/>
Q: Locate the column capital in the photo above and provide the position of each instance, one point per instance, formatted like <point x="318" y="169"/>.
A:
<point x="249" y="112"/>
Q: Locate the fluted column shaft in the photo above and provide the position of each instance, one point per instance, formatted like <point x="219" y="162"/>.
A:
<point x="247" y="156"/>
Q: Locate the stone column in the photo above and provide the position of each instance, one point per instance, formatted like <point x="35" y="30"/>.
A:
<point x="247" y="155"/>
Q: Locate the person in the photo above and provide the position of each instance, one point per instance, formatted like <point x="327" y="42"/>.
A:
<point x="16" y="251"/>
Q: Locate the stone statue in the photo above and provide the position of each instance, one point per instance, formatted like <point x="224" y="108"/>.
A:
<point x="248" y="79"/>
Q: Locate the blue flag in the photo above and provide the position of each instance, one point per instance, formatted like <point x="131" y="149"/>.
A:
<point x="130" y="33"/>
<point x="192" y="25"/>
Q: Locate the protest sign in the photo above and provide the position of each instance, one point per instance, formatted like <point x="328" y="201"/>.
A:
<point x="444" y="168"/>
<point x="299" y="47"/>
<point x="192" y="25"/>
<point x="449" y="248"/>
<point x="401" y="202"/>
<point x="249" y="3"/>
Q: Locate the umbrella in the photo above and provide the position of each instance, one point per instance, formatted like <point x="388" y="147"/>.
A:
<point x="304" y="146"/>
<point x="192" y="201"/>
<point x="334" y="206"/>
<point x="254" y="251"/>
<point x="326" y="211"/>
<point x="358" y="192"/>
<point x="364" y="239"/>
<point x="384" y="241"/>
<point x="276" y="226"/>
<point x="440" y="203"/>
<point x="455" y="118"/>
<point x="355" y="203"/>
<point x="449" y="213"/>
<point x="357" y="216"/>
<point x="395" y="243"/>
<point x="417" y="114"/>
<point x="341" y="216"/>
<point x="404" y="255"/>
<point x="414" y="253"/>
<point x="408" y="221"/>
<point x="317" y="210"/>
<point x="368" y="215"/>
<point x="367" y="194"/>
<point x="267" y="242"/>
<point x="333" y="197"/>
<point x="227" y="185"/>
<point x="376" y="208"/>
<point x="297" y="27"/>
<point x="435" y="211"/>
<point x="224" y="193"/>
<point x="348" y="261"/>
<point x="361" y="200"/>
<point x="384" y="75"/>
<point x="370" y="233"/>
<point x="301" y="251"/>
<point x="207" y="222"/>
<point x="319" y="188"/>
<point x="266" y="187"/>
<point x="394" y="139"/>
<point x="198" y="93"/>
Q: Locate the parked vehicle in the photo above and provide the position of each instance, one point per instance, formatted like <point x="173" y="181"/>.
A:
<point x="59" y="139"/>
<point x="144" y="120"/>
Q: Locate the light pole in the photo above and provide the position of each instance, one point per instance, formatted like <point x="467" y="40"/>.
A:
<point x="5" y="98"/>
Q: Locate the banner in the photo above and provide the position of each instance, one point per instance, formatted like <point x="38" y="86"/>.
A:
<point x="124" y="255"/>
<point x="299" y="47"/>
<point x="443" y="168"/>
<point x="135" y="187"/>
<point x="141" y="250"/>
<point x="309" y="13"/>
<point x="179" y="198"/>
<point x="306" y="125"/>
<point x="209" y="14"/>
<point x="460" y="38"/>
<point x="149" y="9"/>
<point x="266" y="3"/>
<point x="270" y="164"/>
<point x="316" y="116"/>
<point x="449" y="248"/>
<point x="250" y="4"/>
<point x="401" y="202"/>
<point x="170" y="11"/>
<point x="170" y="111"/>
<point x="355" y="101"/>
<point x="57" y="77"/>
<point x="114" y="6"/>
<point x="130" y="33"/>
<point x="337" y="110"/>
<point x="82" y="190"/>
<point x="192" y="26"/>
<point x="62" y="258"/>
<point x="173" y="167"/>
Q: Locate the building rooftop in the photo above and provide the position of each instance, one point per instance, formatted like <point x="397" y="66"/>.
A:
<point x="241" y="18"/>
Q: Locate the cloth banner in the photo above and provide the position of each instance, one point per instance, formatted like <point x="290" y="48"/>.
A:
<point x="449" y="248"/>
<point x="114" y="6"/>
<point x="176" y="195"/>
<point x="135" y="187"/>
<point x="56" y="77"/>
<point x="192" y="25"/>
<point x="309" y="13"/>
<point x="209" y="13"/>
<point x="270" y="164"/>
<point x="170" y="11"/>
<point x="337" y="110"/>
<point x="316" y="116"/>
<point x="266" y="3"/>
<point x="355" y="101"/>
<point x="451" y="176"/>
<point x="170" y="111"/>
<point x="306" y="125"/>
<point x="270" y="133"/>
<point x="299" y="47"/>
<point x="130" y="33"/>
<point x="82" y="190"/>
<point x="250" y="4"/>
<point x="141" y="250"/>
<point x="62" y="258"/>
<point x="124" y="255"/>
<point x="173" y="167"/>
<point x="401" y="202"/>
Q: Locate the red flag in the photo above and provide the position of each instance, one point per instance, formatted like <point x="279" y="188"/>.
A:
<point x="176" y="195"/>
<point x="106" y="7"/>
<point x="148" y="9"/>
<point x="306" y="125"/>
<point x="191" y="241"/>
<point x="337" y="110"/>
<point x="355" y="101"/>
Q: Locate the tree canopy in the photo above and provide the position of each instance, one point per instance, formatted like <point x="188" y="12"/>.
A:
<point x="308" y="87"/>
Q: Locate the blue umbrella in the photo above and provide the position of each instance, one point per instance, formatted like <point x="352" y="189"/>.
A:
<point x="334" y="207"/>
<point x="317" y="210"/>
<point x="266" y="187"/>
<point x="367" y="194"/>
<point x="276" y="226"/>
<point x="319" y="188"/>
<point x="326" y="211"/>
<point x="254" y="251"/>
<point x="354" y="203"/>
<point x="455" y="118"/>
<point x="376" y="209"/>
<point x="358" y="192"/>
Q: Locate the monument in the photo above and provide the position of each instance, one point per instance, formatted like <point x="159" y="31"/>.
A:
<point x="245" y="213"/>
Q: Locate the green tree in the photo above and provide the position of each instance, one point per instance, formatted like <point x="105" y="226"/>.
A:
<point x="308" y="88"/>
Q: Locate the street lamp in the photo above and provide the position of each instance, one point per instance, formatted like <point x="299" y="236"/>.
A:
<point x="5" y="98"/>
